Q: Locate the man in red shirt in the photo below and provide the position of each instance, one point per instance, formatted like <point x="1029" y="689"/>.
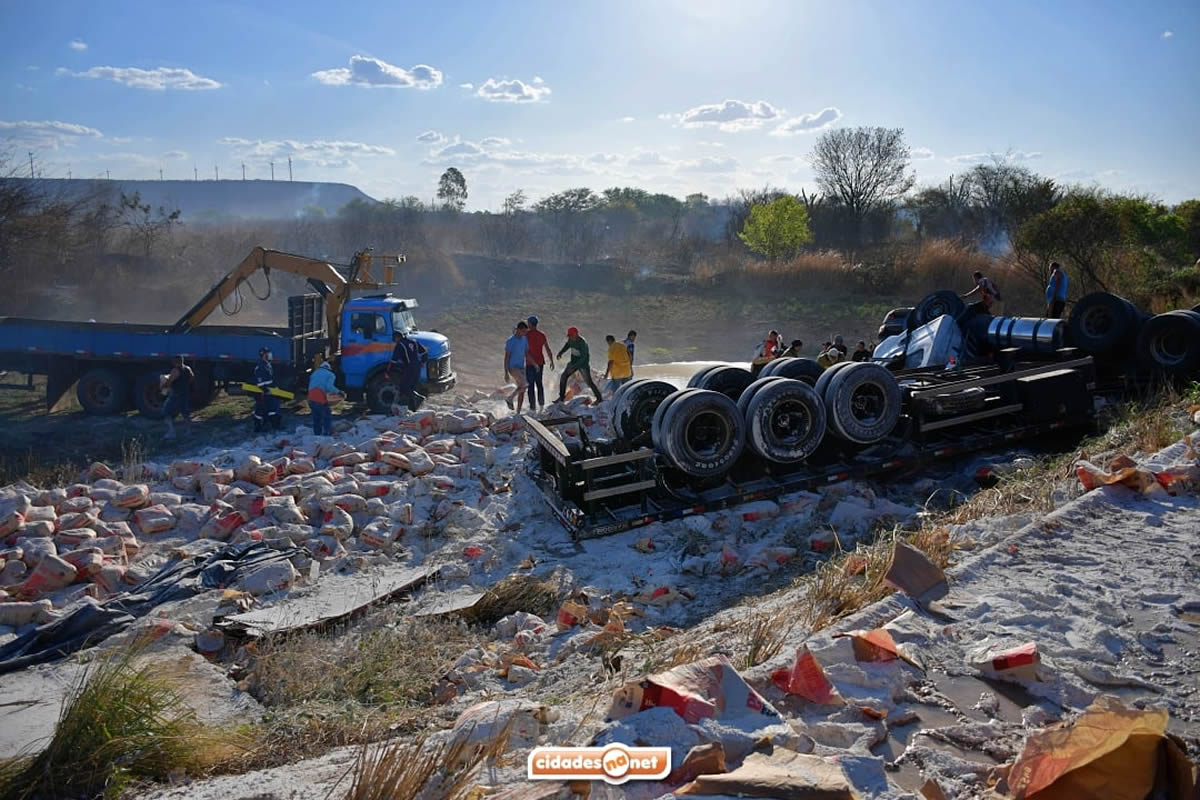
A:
<point x="535" y="361"/>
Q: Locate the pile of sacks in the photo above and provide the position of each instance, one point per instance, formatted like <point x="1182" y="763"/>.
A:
<point x="335" y="500"/>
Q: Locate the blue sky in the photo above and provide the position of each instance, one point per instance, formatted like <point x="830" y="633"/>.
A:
<point x="671" y="95"/>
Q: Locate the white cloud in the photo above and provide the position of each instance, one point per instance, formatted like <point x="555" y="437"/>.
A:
<point x="373" y="72"/>
<point x="626" y="119"/>
<point x="922" y="154"/>
<point x="513" y="91"/>
<point x="175" y="155"/>
<point x="781" y="158"/>
<point x="46" y="134"/>
<point x="120" y="139"/>
<point x="603" y="158"/>
<point x="431" y="137"/>
<point x="459" y="149"/>
<point x="78" y="44"/>
<point x="984" y="158"/>
<point x="492" y="142"/>
<point x="1168" y="34"/>
<point x="807" y="123"/>
<point x="467" y="85"/>
<point x="731" y="115"/>
<point x="647" y="159"/>
<point x="334" y="154"/>
<point x="156" y="79"/>
<point x="708" y="164"/>
<point x="711" y="144"/>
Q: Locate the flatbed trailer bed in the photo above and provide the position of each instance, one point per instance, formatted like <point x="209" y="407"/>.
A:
<point x="602" y="488"/>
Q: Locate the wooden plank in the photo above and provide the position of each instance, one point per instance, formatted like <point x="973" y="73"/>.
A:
<point x="615" y="490"/>
<point x="1003" y="378"/>
<point x="333" y="599"/>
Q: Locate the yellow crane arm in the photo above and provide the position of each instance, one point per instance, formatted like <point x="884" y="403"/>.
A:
<point x="328" y="281"/>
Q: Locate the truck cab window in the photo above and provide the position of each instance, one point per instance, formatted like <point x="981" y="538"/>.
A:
<point x="368" y="325"/>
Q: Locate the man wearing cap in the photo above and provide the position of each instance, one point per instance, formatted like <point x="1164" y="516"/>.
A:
<point x="580" y="362"/>
<point x="535" y="362"/>
<point x="266" y="405"/>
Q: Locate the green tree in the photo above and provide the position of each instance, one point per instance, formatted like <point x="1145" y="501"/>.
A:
<point x="1189" y="216"/>
<point x="452" y="190"/>
<point x="777" y="229"/>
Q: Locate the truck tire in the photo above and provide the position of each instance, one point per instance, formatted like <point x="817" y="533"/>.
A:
<point x="694" y="381"/>
<point x="148" y="398"/>
<point x="751" y="390"/>
<point x="728" y="380"/>
<point x="799" y="369"/>
<point x="862" y="403"/>
<point x="102" y="391"/>
<point x="827" y="375"/>
<point x="656" y="422"/>
<point x="785" y="421"/>
<point x="1101" y="323"/>
<point x="935" y="305"/>
<point x="768" y="369"/>
<point x="1196" y="308"/>
<point x="381" y="394"/>
<point x="1170" y="342"/>
<point x="703" y="434"/>
<point x="633" y="411"/>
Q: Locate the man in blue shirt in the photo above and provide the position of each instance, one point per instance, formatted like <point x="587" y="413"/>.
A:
<point x="1056" y="291"/>
<point x="516" y="347"/>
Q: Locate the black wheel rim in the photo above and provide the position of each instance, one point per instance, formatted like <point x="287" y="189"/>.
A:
<point x="1097" y="321"/>
<point x="791" y="423"/>
<point x="151" y="397"/>
<point x="867" y="404"/>
<point x="99" y="393"/>
<point x="708" y="434"/>
<point x="1170" y="348"/>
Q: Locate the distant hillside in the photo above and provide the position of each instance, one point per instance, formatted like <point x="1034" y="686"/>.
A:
<point x="202" y="201"/>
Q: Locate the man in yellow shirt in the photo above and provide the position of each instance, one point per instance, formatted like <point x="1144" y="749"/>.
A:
<point x="619" y="369"/>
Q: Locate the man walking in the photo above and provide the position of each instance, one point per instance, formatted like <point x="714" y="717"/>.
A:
<point x="630" y="343"/>
<point x="619" y="371"/>
<point x="407" y="357"/>
<point x="179" y="394"/>
<point x="580" y="362"/>
<point x="537" y="352"/>
<point x="266" y="405"/>
<point x="1056" y="291"/>
<point x="515" y="349"/>
<point x="321" y="388"/>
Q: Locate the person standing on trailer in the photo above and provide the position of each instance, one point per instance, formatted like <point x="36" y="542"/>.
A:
<point x="266" y="405"/>
<point x="1056" y="291"/>
<point x="179" y="394"/>
<point x="580" y="362"/>
<point x="989" y="295"/>
<point x="618" y="369"/>
<point x="516" y="348"/>
<point x="535" y="363"/>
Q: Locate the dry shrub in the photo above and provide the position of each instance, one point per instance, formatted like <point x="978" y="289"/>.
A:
<point x="516" y="593"/>
<point x="765" y="634"/>
<point x="414" y="770"/>
<point x="947" y="264"/>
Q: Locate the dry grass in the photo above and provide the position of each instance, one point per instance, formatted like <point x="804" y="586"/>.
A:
<point x="766" y="634"/>
<point x="945" y="263"/>
<point x="363" y="685"/>
<point x="516" y="593"/>
<point x="415" y="770"/>
<point x="122" y="722"/>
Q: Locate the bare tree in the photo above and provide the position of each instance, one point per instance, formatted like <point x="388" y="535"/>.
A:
<point x="145" y="225"/>
<point x="862" y="168"/>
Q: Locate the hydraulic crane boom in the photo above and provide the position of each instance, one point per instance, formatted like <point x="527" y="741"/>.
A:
<point x="322" y="276"/>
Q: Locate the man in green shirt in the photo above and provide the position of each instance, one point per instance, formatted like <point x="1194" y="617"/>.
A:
<point x="580" y="362"/>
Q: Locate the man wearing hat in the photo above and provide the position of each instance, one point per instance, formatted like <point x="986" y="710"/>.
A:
<point x="580" y="362"/>
<point x="266" y="405"/>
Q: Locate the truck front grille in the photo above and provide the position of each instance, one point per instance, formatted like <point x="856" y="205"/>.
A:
<point x="438" y="368"/>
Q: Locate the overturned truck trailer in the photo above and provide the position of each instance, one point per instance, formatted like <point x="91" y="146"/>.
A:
<point x="780" y="435"/>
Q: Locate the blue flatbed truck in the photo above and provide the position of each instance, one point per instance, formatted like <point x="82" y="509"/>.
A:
<point x="117" y="367"/>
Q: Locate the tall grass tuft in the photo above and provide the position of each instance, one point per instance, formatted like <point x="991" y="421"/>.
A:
<point x="120" y="723"/>
<point x="415" y="770"/>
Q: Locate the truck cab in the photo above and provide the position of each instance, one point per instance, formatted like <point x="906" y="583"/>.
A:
<point x="367" y="326"/>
